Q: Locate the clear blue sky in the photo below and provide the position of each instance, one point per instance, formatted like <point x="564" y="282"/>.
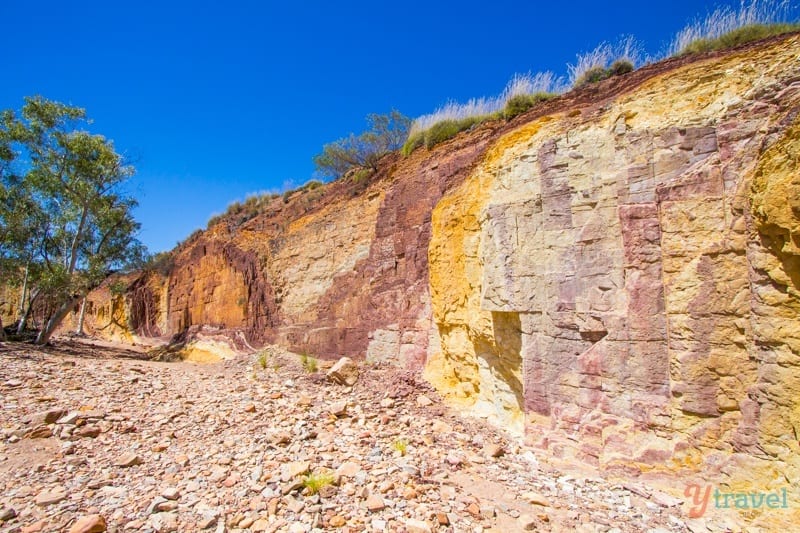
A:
<point x="213" y="100"/>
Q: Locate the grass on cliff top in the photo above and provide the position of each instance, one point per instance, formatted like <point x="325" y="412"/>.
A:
<point x="453" y="117"/>
<point x="605" y="60"/>
<point x="726" y="27"/>
<point x="745" y="34"/>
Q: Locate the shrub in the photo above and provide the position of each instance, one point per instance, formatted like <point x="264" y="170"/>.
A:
<point x="400" y="445"/>
<point x="310" y="364"/>
<point x="440" y="132"/>
<point x="361" y="174"/>
<point x="454" y="117"/>
<point x="315" y="482"/>
<point x="263" y="359"/>
<point x="593" y="75"/>
<point x="238" y="213"/>
<point x="413" y="142"/>
<point x="311" y="185"/>
<point x="593" y="66"/>
<point x="522" y="102"/>
<point x="447" y="129"/>
<point x="620" y="67"/>
<point x="386" y="134"/>
<point x="725" y="27"/>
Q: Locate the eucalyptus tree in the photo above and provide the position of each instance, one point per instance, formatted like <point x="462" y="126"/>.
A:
<point x="64" y="196"/>
<point x="385" y="134"/>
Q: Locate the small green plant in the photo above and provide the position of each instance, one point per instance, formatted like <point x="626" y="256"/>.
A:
<point x="310" y="364"/>
<point x="520" y="103"/>
<point x="620" y="67"/>
<point x="598" y="73"/>
<point x="401" y="446"/>
<point x="413" y="142"/>
<point x="447" y="129"/>
<point x="361" y="174"/>
<point x="593" y="75"/>
<point x="311" y="185"/>
<point x="263" y="359"/>
<point x="317" y="481"/>
<point x="440" y="132"/>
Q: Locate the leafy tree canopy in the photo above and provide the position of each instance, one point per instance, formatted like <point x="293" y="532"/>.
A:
<point x="65" y="220"/>
<point x="386" y="133"/>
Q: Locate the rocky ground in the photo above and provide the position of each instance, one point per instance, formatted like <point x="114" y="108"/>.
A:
<point x="97" y="439"/>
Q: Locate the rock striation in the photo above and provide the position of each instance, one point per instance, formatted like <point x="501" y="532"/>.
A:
<point x="614" y="274"/>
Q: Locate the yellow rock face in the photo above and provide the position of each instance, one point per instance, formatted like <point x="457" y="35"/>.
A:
<point x="625" y="278"/>
<point x="317" y="248"/>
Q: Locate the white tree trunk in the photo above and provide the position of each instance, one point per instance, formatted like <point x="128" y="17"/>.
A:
<point x="23" y="297"/>
<point x="51" y="325"/>
<point x="24" y="320"/>
<point x="81" y="315"/>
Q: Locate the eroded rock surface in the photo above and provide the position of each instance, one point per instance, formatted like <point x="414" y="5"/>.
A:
<point x="625" y="277"/>
<point x="614" y="275"/>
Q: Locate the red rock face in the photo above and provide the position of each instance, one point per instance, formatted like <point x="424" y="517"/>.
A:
<point x="616" y="272"/>
<point x="389" y="288"/>
<point x="218" y="284"/>
<point x="237" y="280"/>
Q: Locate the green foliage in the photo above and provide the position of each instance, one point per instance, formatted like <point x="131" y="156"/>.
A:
<point x="361" y="174"/>
<point x="592" y="75"/>
<point x="310" y="364"/>
<point x="63" y="210"/>
<point x="162" y="262"/>
<point x="316" y="481"/>
<point x="385" y="134"/>
<point x="442" y="131"/>
<point x="118" y="287"/>
<point x="447" y="129"/>
<point x="620" y="67"/>
<point x="311" y="185"/>
<point x="745" y="34"/>
<point x="520" y="103"/>
<point x="599" y="73"/>
<point x="401" y="446"/>
<point x="414" y="141"/>
<point x="263" y="359"/>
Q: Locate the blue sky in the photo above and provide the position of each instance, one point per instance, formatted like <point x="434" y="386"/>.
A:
<point x="213" y="100"/>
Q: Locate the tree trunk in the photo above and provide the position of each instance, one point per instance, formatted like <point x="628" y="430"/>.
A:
<point x="21" y="309"/>
<point x="73" y="249"/>
<point x="55" y="320"/>
<point x="79" y="329"/>
<point x="24" y="320"/>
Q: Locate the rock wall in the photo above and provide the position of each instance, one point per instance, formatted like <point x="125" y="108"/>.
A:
<point x="614" y="274"/>
<point x="622" y="280"/>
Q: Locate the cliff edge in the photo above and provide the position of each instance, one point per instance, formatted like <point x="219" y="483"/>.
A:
<point x="614" y="274"/>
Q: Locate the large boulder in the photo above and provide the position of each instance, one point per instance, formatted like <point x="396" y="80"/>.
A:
<point x="344" y="372"/>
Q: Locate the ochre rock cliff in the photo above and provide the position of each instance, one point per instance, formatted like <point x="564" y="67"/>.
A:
<point x="615" y="274"/>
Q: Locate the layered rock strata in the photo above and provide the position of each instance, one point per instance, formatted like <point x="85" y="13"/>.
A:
<point x="614" y="274"/>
